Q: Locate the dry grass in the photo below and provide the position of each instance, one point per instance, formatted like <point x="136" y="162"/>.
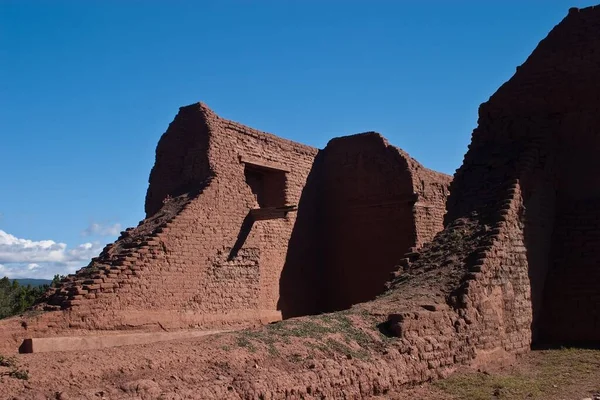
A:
<point x="548" y="374"/>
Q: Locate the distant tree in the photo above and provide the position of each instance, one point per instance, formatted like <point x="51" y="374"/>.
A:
<point x="57" y="278"/>
<point x="15" y="298"/>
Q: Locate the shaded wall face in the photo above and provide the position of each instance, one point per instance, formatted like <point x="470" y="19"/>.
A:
<point x="552" y="155"/>
<point x="181" y="163"/>
<point x="302" y="285"/>
<point x="550" y="105"/>
<point x="367" y="216"/>
<point x="572" y="296"/>
<point x="538" y="218"/>
<point x="572" y="303"/>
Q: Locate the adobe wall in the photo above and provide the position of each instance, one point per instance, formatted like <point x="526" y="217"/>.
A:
<point x="217" y="249"/>
<point x="247" y="257"/>
<point x="198" y="259"/>
<point x="517" y="260"/>
<point x="182" y="159"/>
<point x="529" y="185"/>
<point x="432" y="189"/>
<point x="554" y="113"/>
<point x="378" y="204"/>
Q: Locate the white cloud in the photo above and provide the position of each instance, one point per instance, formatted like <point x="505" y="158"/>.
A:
<point x="33" y="266"/>
<point x="96" y="229"/>
<point x="24" y="258"/>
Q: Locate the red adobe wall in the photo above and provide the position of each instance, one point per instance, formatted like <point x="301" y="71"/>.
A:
<point x="528" y="191"/>
<point x="201" y="264"/>
<point x="205" y="257"/>
<point x="517" y="261"/>
<point x="182" y="159"/>
<point x="515" y="265"/>
<point x="378" y="204"/>
<point x="246" y="260"/>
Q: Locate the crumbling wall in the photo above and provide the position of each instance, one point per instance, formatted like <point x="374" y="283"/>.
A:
<point x="243" y="243"/>
<point x="572" y="297"/>
<point x="432" y="190"/>
<point x="355" y="221"/>
<point x="516" y="261"/>
<point x="200" y="258"/>
<point x="526" y="181"/>
<point x="369" y="214"/>
<point x="182" y="162"/>
<point x="222" y="243"/>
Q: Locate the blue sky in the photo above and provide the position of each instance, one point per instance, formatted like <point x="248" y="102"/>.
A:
<point x="88" y="87"/>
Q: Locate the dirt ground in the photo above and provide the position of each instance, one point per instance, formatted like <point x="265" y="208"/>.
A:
<point x="181" y="369"/>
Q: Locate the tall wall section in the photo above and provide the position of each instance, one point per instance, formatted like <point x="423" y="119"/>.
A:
<point x="546" y="116"/>
<point x="243" y="226"/>
<point x="365" y="204"/>
<point x="527" y="192"/>
<point x="378" y="204"/>
<point x="200" y="258"/>
<point x="254" y="170"/>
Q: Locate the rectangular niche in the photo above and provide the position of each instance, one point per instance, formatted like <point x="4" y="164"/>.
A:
<point x="267" y="182"/>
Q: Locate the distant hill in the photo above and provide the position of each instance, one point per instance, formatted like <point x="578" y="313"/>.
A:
<point x="33" y="282"/>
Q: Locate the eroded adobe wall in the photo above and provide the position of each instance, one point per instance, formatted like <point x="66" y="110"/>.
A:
<point x="527" y="273"/>
<point x="369" y="214"/>
<point x="182" y="162"/>
<point x="355" y="221"/>
<point x="572" y="297"/>
<point x="545" y="117"/>
<point x="246" y="257"/>
<point x="198" y="259"/>
<point x="432" y="190"/>
<point x="231" y="263"/>
<point x="203" y="257"/>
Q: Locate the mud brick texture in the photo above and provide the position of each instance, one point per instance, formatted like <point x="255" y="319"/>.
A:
<point x="372" y="204"/>
<point x="518" y="260"/>
<point x="516" y="263"/>
<point x="245" y="227"/>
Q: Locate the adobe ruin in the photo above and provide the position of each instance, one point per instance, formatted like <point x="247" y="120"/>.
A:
<point x="517" y="262"/>
<point x="515" y="265"/>
<point x="243" y="227"/>
<point x="534" y="154"/>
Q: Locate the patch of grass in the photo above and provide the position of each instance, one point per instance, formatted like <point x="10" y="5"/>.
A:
<point x="245" y="342"/>
<point x="247" y="338"/>
<point x="9" y="362"/>
<point x="15" y="372"/>
<point x="19" y="374"/>
<point x="336" y="346"/>
<point x="318" y="329"/>
<point x="553" y="373"/>
<point x="479" y="386"/>
<point x="306" y="329"/>
<point x="351" y="333"/>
